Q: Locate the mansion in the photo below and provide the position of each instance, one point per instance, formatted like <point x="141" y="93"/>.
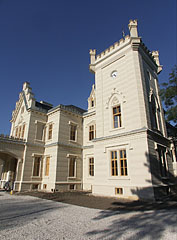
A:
<point x="119" y="147"/>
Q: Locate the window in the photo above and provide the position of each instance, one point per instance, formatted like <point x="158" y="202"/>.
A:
<point x="36" y="168"/>
<point x="47" y="165"/>
<point x="92" y="102"/>
<point x="35" y="186"/>
<point x="71" y="186"/>
<point x="40" y="131"/>
<point x="117" y="122"/>
<point x="23" y="130"/>
<point x="122" y="168"/>
<point x="73" y="129"/>
<point x="154" y="116"/>
<point x="91" y="132"/>
<point x="162" y="161"/>
<point x="91" y="166"/>
<point x="50" y="131"/>
<point x="72" y="163"/>
<point x="123" y="163"/>
<point x="119" y="191"/>
<point x="16" y="132"/>
<point x="114" y="167"/>
<point x="19" y="132"/>
<point x="22" y="110"/>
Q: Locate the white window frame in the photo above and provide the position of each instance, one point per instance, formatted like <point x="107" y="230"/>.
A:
<point x="41" y="158"/>
<point x="69" y="156"/>
<point x="76" y="133"/>
<point x="43" y="137"/>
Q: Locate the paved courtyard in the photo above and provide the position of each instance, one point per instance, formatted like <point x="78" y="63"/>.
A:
<point x="31" y="218"/>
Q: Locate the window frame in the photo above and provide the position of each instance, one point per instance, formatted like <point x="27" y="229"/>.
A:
<point x="47" y="166"/>
<point x="39" y="165"/>
<point x="91" y="132"/>
<point x="118" y="115"/>
<point x="23" y="130"/>
<point x="74" y="165"/>
<point x="115" y="163"/>
<point x="43" y="131"/>
<point x="50" y="131"/>
<point x="91" y="166"/>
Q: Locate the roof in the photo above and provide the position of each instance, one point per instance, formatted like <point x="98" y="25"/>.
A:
<point x="70" y="108"/>
<point x="43" y="106"/>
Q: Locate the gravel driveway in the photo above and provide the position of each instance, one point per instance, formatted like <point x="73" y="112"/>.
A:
<point x="31" y="218"/>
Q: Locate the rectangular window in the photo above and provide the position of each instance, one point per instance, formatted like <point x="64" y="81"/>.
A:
<point x="162" y="161"/>
<point x="16" y="132"/>
<point x="36" y="168"/>
<point x="50" y="131"/>
<point x="91" y="132"/>
<point x="122" y="168"/>
<point x="123" y="163"/>
<point x="114" y="167"/>
<point x="117" y="122"/>
<point x="47" y="165"/>
<point x="73" y="129"/>
<point x="40" y="131"/>
<point x="19" y="132"/>
<point x="119" y="191"/>
<point x="72" y="162"/>
<point x="23" y="130"/>
<point x="91" y="166"/>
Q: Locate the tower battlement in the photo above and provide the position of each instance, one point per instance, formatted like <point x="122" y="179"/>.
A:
<point x="113" y="47"/>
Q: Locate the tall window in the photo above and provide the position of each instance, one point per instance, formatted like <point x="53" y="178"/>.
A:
<point x="23" y="130"/>
<point x="123" y="163"/>
<point x="16" y="132"/>
<point x="114" y="167"/>
<point x="117" y="122"/>
<point x="162" y="161"/>
<point x="73" y="129"/>
<point x="91" y="166"/>
<point x="92" y="102"/>
<point x="36" y="168"/>
<point x="91" y="132"/>
<point x="47" y="165"/>
<point x="19" y="132"/>
<point x="40" y="131"/>
<point x="22" y="110"/>
<point x="72" y="163"/>
<point x="50" y="131"/>
<point x="121" y="168"/>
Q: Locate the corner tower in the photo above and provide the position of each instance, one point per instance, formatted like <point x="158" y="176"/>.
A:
<point x="129" y="121"/>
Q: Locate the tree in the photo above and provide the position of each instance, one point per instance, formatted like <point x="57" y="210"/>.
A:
<point x="169" y="96"/>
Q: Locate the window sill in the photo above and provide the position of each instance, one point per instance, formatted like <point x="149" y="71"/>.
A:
<point x="116" y="129"/>
<point x="90" y="177"/>
<point x="72" y="141"/>
<point x="71" y="177"/>
<point x="119" y="178"/>
<point x="38" y="140"/>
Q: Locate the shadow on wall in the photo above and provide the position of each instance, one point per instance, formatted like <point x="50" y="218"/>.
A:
<point x="138" y="219"/>
<point x="163" y="180"/>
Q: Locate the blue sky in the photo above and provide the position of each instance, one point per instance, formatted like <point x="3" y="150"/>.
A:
<point x="47" y="43"/>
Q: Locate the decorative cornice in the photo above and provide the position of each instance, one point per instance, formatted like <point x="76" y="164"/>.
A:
<point x="114" y="93"/>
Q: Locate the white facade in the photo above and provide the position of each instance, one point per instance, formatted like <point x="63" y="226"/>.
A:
<point x="118" y="147"/>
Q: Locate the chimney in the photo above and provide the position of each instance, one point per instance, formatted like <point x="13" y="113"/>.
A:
<point x="133" y="28"/>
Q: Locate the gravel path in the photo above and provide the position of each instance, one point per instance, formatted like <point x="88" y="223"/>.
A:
<point x="31" y="218"/>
